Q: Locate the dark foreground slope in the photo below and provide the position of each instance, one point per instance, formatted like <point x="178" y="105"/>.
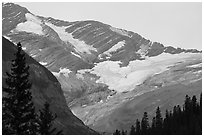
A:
<point x="45" y="87"/>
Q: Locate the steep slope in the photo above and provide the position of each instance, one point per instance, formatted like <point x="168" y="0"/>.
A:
<point x="84" y="42"/>
<point x="45" y="87"/>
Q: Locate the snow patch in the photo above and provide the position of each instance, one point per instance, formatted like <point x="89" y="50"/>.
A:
<point x="43" y="63"/>
<point x="195" y="66"/>
<point x="80" y="46"/>
<point x="115" y="47"/>
<point x="33" y="25"/>
<point x="30" y="27"/>
<point x="101" y="101"/>
<point x="144" y="49"/>
<point x="63" y="71"/>
<point x="75" y="54"/>
<point x="73" y="112"/>
<point x="15" y="15"/>
<point x="83" y="71"/>
<point x="8" y="38"/>
<point x="56" y="74"/>
<point x="33" y="55"/>
<point x="24" y="48"/>
<point x="200" y="71"/>
<point x="81" y="27"/>
<point x="100" y="56"/>
<point x="79" y="76"/>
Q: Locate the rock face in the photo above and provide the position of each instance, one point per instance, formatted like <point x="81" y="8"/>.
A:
<point x="99" y="67"/>
<point x="61" y="43"/>
<point x="45" y="87"/>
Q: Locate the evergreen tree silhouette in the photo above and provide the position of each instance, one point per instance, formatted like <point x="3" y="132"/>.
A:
<point x="159" y="121"/>
<point x="200" y="116"/>
<point x="132" y="130"/>
<point x="46" y="119"/>
<point x="117" y="132"/>
<point x="144" y="124"/>
<point x="166" y="123"/>
<point x="200" y="113"/>
<point x="18" y="112"/>
<point x="187" y="104"/>
<point x="138" y="129"/>
<point x="195" y="105"/>
<point x="201" y="101"/>
<point x="153" y="127"/>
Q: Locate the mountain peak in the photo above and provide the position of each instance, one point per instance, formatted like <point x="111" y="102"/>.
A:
<point x="12" y="14"/>
<point x="88" y="42"/>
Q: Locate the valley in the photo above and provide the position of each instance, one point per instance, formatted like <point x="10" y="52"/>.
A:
<point x="106" y="76"/>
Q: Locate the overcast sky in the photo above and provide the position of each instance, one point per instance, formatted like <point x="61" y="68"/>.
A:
<point x="176" y="24"/>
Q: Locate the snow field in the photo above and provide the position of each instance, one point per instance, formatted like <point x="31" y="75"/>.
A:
<point x="33" y="25"/>
<point x="80" y="46"/>
<point x="63" y="71"/>
<point x="126" y="78"/>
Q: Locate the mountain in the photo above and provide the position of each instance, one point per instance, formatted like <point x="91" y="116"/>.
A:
<point x="45" y="87"/>
<point x="99" y="67"/>
<point x="84" y="42"/>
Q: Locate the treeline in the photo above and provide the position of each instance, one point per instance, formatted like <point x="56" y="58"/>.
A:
<point x="18" y="111"/>
<point x="181" y="121"/>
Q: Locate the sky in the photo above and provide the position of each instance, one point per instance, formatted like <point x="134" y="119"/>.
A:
<point x="172" y="24"/>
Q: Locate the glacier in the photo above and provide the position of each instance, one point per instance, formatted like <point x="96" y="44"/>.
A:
<point x="126" y="78"/>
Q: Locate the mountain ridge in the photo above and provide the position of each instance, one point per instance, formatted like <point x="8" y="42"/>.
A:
<point x="90" y="40"/>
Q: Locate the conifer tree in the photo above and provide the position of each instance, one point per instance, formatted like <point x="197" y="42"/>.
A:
<point x="187" y="104"/>
<point x="117" y="132"/>
<point x="132" y="130"/>
<point x="46" y="119"/>
<point x="167" y="114"/>
<point x="18" y="114"/>
<point x="153" y="127"/>
<point x="200" y="115"/>
<point x="166" y="124"/>
<point x="144" y="123"/>
<point x="194" y="104"/>
<point x="159" y="121"/>
<point x="138" y="129"/>
<point x="201" y="100"/>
